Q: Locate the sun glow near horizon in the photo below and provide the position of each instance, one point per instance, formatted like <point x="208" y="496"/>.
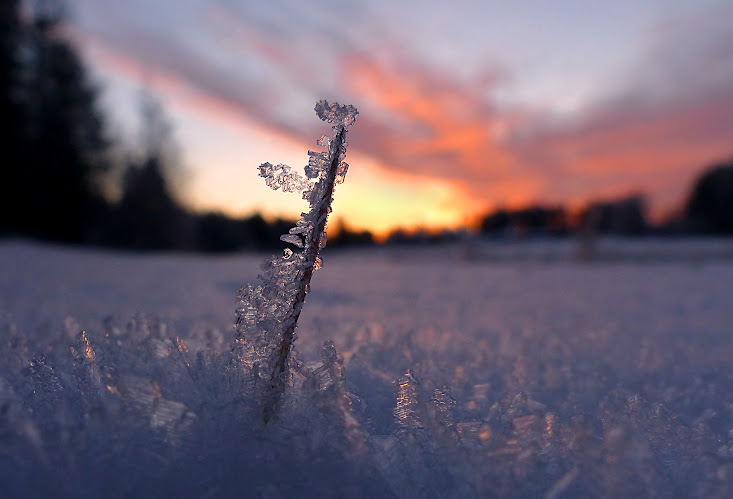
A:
<point x="372" y="198"/>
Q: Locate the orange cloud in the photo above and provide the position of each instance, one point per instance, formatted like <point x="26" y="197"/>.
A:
<point x="424" y="123"/>
<point x="421" y="123"/>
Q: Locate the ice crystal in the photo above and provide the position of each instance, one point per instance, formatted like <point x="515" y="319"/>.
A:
<point x="341" y="173"/>
<point x="280" y="176"/>
<point x="406" y="390"/>
<point x="333" y="113"/>
<point x="337" y="402"/>
<point x="317" y="164"/>
<point x="267" y="313"/>
<point x="292" y="239"/>
<point x="85" y="361"/>
<point x="445" y="403"/>
<point x="331" y="369"/>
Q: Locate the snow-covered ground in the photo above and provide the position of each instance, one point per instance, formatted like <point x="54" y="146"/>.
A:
<point x="528" y="376"/>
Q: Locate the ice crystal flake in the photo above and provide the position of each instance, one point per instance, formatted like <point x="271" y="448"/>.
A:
<point x="333" y="113"/>
<point x="280" y="176"/>
<point x="303" y="226"/>
<point x="292" y="239"/>
<point x="406" y="390"/>
<point x="337" y="402"/>
<point x="341" y="172"/>
<point x="145" y="396"/>
<point x="445" y="403"/>
<point x="85" y="360"/>
<point x="331" y="369"/>
<point x="317" y="164"/>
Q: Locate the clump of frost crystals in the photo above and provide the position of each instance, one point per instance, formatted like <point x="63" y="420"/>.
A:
<point x="267" y="312"/>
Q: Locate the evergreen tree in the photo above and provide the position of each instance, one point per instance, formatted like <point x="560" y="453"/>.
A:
<point x="148" y="216"/>
<point x="52" y="189"/>
<point x="710" y="207"/>
<point x="11" y="114"/>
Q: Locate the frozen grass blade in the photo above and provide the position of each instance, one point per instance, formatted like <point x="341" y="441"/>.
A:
<point x="267" y="315"/>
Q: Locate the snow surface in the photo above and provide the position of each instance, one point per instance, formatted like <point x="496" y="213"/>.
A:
<point x="458" y="375"/>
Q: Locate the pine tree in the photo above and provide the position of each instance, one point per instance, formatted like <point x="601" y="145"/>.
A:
<point x="11" y="122"/>
<point x="148" y="216"/>
<point x="52" y="187"/>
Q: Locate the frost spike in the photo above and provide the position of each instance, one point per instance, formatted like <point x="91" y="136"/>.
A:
<point x="310" y="254"/>
<point x="267" y="314"/>
<point x="406" y="391"/>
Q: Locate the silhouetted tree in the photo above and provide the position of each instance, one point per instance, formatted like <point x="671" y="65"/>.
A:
<point x="51" y="188"/>
<point x="345" y="236"/>
<point x="624" y="216"/>
<point x="10" y="37"/>
<point x="710" y="206"/>
<point x="147" y="215"/>
<point x="497" y="221"/>
<point x="9" y="41"/>
<point x="530" y="220"/>
<point x="220" y="233"/>
<point x="11" y="114"/>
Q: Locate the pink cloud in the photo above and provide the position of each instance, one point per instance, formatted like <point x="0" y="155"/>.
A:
<point x="418" y="121"/>
<point x="672" y="116"/>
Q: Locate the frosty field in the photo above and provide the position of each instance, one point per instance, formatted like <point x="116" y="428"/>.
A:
<point x="528" y="377"/>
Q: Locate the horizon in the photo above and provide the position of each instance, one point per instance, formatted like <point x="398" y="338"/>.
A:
<point x="511" y="106"/>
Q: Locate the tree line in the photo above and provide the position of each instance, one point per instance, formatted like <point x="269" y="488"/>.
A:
<point x="708" y="210"/>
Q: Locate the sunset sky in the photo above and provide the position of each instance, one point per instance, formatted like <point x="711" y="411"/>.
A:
<point x="465" y="106"/>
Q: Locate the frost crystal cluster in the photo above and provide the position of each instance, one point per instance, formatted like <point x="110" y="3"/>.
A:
<point x="267" y="314"/>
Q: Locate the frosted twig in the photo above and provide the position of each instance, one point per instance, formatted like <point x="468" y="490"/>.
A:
<point x="268" y="313"/>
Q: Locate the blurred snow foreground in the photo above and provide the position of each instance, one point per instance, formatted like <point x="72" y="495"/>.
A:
<point x="453" y="378"/>
<point x="416" y="376"/>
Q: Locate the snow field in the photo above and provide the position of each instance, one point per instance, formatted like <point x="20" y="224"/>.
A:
<point x="454" y="377"/>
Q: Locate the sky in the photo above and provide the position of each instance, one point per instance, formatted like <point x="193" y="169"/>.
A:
<point x="465" y="106"/>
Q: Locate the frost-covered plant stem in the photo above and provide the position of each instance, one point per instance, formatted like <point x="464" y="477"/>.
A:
<point x="311" y="250"/>
<point x="268" y="313"/>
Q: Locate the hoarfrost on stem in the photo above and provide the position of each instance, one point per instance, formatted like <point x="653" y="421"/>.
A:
<point x="267" y="313"/>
